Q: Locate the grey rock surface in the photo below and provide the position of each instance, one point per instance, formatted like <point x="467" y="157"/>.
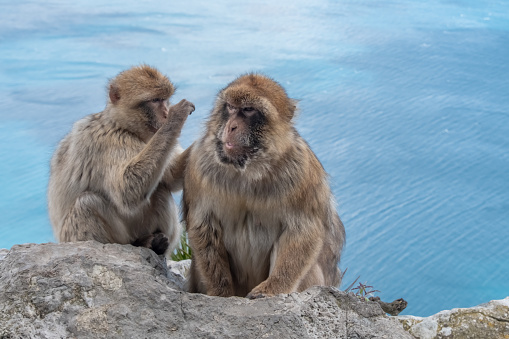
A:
<point x="490" y="320"/>
<point x="3" y="253"/>
<point x="92" y="290"/>
<point x="177" y="271"/>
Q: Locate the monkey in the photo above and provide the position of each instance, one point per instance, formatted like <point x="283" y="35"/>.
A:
<point x="257" y="205"/>
<point x="112" y="176"/>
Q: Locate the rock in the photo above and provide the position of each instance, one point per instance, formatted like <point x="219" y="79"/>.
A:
<point x="3" y="253"/>
<point x="177" y="271"/>
<point x="490" y="320"/>
<point x="393" y="308"/>
<point x="92" y="290"/>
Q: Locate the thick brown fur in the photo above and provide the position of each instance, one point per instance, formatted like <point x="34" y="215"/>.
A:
<point x="258" y="208"/>
<point x="112" y="176"/>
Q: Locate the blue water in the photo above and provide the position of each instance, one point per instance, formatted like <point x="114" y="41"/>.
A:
<point x="406" y="103"/>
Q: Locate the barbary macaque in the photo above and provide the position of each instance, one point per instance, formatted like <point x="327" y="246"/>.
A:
<point x="258" y="208"/>
<point x="112" y="176"/>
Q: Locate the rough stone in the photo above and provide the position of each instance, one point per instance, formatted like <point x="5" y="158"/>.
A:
<point x="3" y="253"/>
<point x="490" y="320"/>
<point x="92" y="290"/>
<point x="177" y="272"/>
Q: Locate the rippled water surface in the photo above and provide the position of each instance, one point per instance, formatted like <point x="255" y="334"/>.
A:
<point x="406" y="103"/>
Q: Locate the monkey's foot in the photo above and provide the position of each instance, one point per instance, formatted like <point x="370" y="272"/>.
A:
<point x="160" y="243"/>
<point x="157" y="242"/>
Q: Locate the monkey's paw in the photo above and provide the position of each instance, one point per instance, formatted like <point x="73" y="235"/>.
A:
<point x="160" y="243"/>
<point x="182" y="109"/>
<point x="260" y="291"/>
<point x="178" y="115"/>
<point x="256" y="296"/>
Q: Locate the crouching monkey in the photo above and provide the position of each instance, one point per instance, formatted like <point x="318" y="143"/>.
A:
<point x="112" y="176"/>
<point x="258" y="209"/>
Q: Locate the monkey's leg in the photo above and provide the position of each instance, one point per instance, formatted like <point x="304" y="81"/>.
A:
<point x="314" y="277"/>
<point x="211" y="265"/>
<point x="84" y="220"/>
<point x="295" y="252"/>
<point x="193" y="281"/>
<point x="160" y="228"/>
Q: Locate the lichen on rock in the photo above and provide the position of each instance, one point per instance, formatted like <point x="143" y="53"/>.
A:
<point x="490" y="320"/>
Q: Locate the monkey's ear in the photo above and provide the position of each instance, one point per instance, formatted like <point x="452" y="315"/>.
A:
<point x="293" y="107"/>
<point x="114" y="94"/>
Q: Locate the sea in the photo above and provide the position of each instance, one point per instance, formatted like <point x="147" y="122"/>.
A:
<point x="405" y="103"/>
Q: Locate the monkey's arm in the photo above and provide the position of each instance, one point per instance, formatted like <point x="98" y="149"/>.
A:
<point x="294" y="254"/>
<point x="210" y="256"/>
<point x="136" y="179"/>
<point x="174" y="174"/>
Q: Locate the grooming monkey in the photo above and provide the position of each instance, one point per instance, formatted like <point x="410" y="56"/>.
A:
<point x="112" y="176"/>
<point x="259" y="212"/>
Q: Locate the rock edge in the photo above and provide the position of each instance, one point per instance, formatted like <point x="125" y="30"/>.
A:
<point x="88" y="289"/>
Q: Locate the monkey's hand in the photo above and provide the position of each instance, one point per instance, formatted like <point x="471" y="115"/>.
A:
<point x="178" y="114"/>
<point x="260" y="291"/>
<point x="256" y="296"/>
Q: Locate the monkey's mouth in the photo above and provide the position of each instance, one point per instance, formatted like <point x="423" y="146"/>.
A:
<point x="231" y="153"/>
<point x="235" y="150"/>
<point x="231" y="147"/>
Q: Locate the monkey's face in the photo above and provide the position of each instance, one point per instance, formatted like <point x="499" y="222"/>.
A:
<point x="139" y="97"/>
<point x="155" y="112"/>
<point x="251" y="121"/>
<point x="239" y="136"/>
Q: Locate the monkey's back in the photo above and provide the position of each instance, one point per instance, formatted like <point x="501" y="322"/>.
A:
<point x="83" y="161"/>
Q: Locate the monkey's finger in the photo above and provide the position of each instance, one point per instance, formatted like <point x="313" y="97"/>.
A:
<point x="255" y="296"/>
<point x="189" y="104"/>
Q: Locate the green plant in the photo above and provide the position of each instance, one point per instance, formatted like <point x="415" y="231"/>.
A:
<point x="183" y="251"/>
<point x="363" y="291"/>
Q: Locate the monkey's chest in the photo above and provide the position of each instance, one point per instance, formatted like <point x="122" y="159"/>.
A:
<point x="249" y="239"/>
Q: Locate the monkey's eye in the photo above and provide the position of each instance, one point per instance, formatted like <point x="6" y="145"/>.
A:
<point x="157" y="100"/>
<point x="230" y="108"/>
<point x="249" y="111"/>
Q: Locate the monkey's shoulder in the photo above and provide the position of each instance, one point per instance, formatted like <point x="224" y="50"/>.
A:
<point x="92" y="149"/>
<point x="103" y="134"/>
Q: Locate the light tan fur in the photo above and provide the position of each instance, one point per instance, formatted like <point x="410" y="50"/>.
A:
<point x="263" y="223"/>
<point x="112" y="175"/>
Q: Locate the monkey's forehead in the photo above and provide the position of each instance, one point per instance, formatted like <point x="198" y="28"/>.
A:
<point x="143" y="83"/>
<point x="241" y="96"/>
<point x="138" y="94"/>
<point x="269" y="101"/>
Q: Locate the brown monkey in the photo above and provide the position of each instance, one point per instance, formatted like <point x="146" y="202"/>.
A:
<point x="259" y="212"/>
<point x="112" y="175"/>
